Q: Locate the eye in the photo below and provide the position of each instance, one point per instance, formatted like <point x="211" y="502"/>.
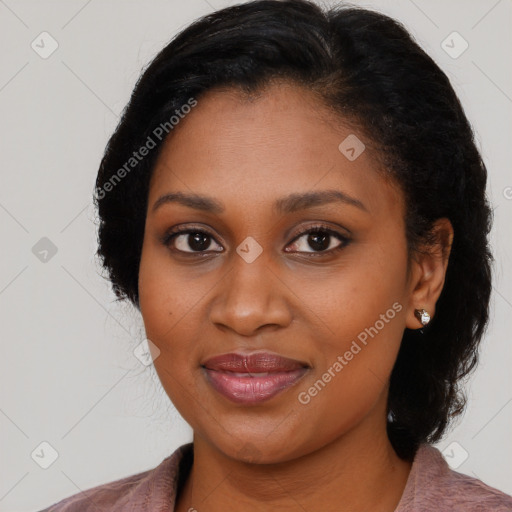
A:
<point x="191" y="241"/>
<point x="319" y="239"/>
<point x="314" y="240"/>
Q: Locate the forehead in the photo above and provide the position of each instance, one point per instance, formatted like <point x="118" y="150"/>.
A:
<point x="254" y="149"/>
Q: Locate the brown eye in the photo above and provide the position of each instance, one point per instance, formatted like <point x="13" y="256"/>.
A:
<point x="319" y="240"/>
<point x="191" y="241"/>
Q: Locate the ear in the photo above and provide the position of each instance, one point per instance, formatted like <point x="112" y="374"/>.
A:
<point x="428" y="271"/>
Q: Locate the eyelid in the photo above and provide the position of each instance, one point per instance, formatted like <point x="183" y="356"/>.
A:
<point x="319" y="226"/>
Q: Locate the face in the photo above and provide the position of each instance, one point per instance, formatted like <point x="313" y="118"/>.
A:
<point x="264" y="240"/>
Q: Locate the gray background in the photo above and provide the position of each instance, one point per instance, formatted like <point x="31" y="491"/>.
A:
<point x="68" y="373"/>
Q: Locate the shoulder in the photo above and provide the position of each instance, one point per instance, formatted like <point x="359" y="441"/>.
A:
<point x="433" y="485"/>
<point x="154" y="489"/>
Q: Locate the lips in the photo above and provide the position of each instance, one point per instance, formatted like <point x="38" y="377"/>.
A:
<point x="252" y="378"/>
<point x="252" y="363"/>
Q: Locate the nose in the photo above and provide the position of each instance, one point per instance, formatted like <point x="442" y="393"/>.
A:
<point x="250" y="298"/>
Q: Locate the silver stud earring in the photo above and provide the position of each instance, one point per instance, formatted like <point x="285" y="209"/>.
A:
<point x="422" y="315"/>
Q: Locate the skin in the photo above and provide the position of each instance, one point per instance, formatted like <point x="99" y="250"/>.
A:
<point x="293" y="299"/>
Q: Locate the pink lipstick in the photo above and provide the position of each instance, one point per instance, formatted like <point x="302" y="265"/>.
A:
<point x="252" y="378"/>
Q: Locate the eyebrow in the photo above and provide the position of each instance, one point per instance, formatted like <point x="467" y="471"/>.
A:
<point x="288" y="204"/>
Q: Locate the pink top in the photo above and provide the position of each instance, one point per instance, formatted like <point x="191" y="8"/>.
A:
<point x="431" y="486"/>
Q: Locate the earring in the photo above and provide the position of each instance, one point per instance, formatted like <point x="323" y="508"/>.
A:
<point x="422" y="316"/>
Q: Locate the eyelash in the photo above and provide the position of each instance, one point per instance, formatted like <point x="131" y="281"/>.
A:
<point x="174" y="232"/>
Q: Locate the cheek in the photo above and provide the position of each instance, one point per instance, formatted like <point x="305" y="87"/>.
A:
<point x="353" y="369"/>
<point x="171" y="306"/>
<point x="166" y="311"/>
<point x="352" y="299"/>
<point x="363" y="312"/>
<point x="162" y="302"/>
<point x="155" y="300"/>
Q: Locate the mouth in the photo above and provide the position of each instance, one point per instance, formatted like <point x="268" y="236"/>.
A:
<point x="252" y="378"/>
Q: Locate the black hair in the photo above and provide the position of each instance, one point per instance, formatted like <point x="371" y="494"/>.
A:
<point x="366" y="67"/>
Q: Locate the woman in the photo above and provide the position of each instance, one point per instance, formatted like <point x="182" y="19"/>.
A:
<point x="294" y="201"/>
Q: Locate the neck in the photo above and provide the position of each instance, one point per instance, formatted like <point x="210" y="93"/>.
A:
<point x="358" y="471"/>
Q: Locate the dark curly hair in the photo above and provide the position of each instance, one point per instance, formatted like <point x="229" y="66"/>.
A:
<point x="367" y="68"/>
